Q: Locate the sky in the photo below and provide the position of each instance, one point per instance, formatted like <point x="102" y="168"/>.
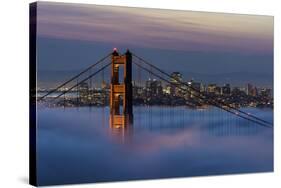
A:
<point x="198" y="44"/>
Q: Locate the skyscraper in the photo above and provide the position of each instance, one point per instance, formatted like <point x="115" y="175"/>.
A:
<point x="226" y="89"/>
<point x="176" y="78"/>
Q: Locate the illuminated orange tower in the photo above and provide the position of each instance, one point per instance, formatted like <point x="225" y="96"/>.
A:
<point x="121" y="106"/>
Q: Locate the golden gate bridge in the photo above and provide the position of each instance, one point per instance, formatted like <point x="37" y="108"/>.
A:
<point x="121" y="88"/>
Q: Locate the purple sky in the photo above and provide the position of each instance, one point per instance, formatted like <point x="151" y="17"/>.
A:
<point x="155" y="28"/>
<point x="209" y="47"/>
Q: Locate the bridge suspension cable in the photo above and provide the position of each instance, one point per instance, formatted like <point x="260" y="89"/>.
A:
<point x="208" y="96"/>
<point x="194" y="89"/>
<point x="85" y="79"/>
<point x="213" y="102"/>
<point x="74" y="77"/>
<point x="205" y="97"/>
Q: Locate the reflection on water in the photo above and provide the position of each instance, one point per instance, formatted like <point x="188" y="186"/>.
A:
<point x="79" y="145"/>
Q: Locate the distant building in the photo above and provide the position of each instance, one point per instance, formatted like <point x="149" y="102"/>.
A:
<point x="194" y="88"/>
<point x="84" y="92"/>
<point x="265" y="92"/>
<point x="104" y="85"/>
<point x="251" y="90"/>
<point x="236" y="91"/>
<point x="153" y="88"/>
<point x="167" y="90"/>
<point x="211" y="89"/>
<point x="218" y="90"/>
<point x="176" y="78"/>
<point x="137" y="91"/>
<point x="226" y="90"/>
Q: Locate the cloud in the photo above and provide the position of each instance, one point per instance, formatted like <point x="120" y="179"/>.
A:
<point x="154" y="28"/>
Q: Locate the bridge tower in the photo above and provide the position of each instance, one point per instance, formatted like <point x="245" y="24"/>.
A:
<point x="121" y="105"/>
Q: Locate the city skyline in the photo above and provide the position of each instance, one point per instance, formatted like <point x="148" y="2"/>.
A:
<point x="98" y="83"/>
<point x="175" y="92"/>
<point x="203" y="79"/>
